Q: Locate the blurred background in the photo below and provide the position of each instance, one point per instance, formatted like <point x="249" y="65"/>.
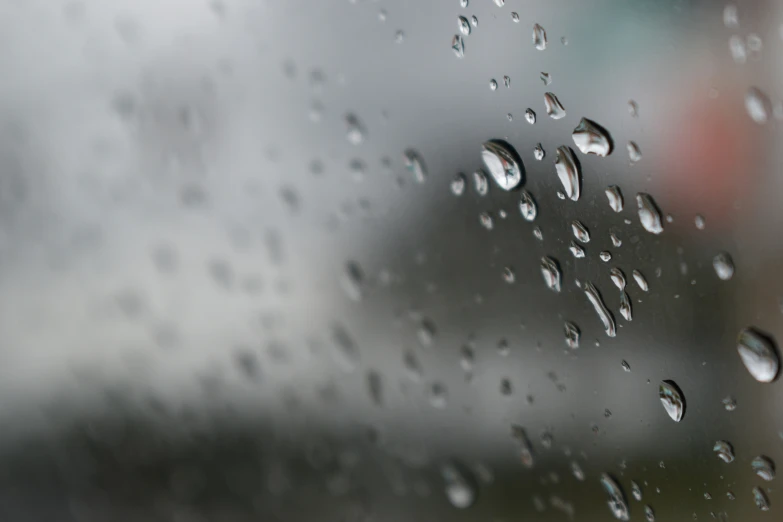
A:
<point x="248" y="272"/>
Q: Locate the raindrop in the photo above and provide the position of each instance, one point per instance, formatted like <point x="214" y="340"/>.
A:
<point x="538" y="234"/>
<point x="506" y="387"/>
<point x="707" y="496"/>
<point x="758" y="354"/>
<point x="538" y="152"/>
<point x="649" y="514"/>
<point x="649" y="214"/>
<point x="633" y="152"/>
<point x="605" y="256"/>
<point x="546" y="439"/>
<point x="515" y="17"/>
<point x="641" y="282"/>
<point x="415" y="165"/>
<point x="729" y="404"/>
<point x="355" y="133"/>
<point x="591" y="138"/>
<point x="633" y="108"/>
<point x="481" y="182"/>
<point x="458" y="46"/>
<point x="672" y="399"/>
<point x="525" y="449"/>
<point x="463" y="25"/>
<point x="412" y="365"/>
<point x="486" y="220"/>
<point x="758" y="105"/>
<point x="438" y="395"/>
<point x="503" y="347"/>
<point x="463" y="3"/>
<point x="625" y="307"/>
<point x="730" y="16"/>
<point x="724" y="450"/>
<point x="737" y="47"/>
<point x="539" y="37"/>
<point x="460" y="488"/>
<point x="755" y="45"/>
<point x="426" y="332"/>
<point x="554" y="108"/>
<point x="723" y="265"/>
<point x="508" y="275"/>
<point x="699" y="221"/>
<point x="594" y="296"/>
<point x="509" y="116"/>
<point x="353" y="281"/>
<point x="564" y="40"/>
<point x="493" y="85"/>
<point x="577" y="470"/>
<point x="458" y="184"/>
<point x="474" y="20"/>
<point x="580" y="232"/>
<point x="550" y="270"/>
<point x="500" y="3"/>
<point x="763" y="467"/>
<point x="507" y="81"/>
<point x="577" y="251"/>
<point x="760" y="498"/>
<point x="617" y="503"/>
<point x="503" y="163"/>
<point x="569" y="172"/>
<point x="572" y="335"/>
<point x="530" y="116"/>
<point x="618" y="278"/>
<point x="467" y="358"/>
<point x="527" y="206"/>
<point x="615" y="240"/>
<point x="399" y="36"/>
<point x="615" y="197"/>
<point x="546" y="78"/>
<point x="626" y="366"/>
<point x="730" y="495"/>
<point x="636" y="491"/>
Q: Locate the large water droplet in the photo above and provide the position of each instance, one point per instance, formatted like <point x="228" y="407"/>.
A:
<point x="577" y="251"/>
<point x="640" y="280"/>
<point x="538" y="152"/>
<point x="580" y="231"/>
<point x="539" y="37"/>
<point x="616" y="241"/>
<point x="649" y="214"/>
<point x="530" y="116"/>
<point x="763" y="467"/>
<point x="605" y="256"/>
<point x="649" y="514"/>
<point x="758" y="105"/>
<point x="672" y="399"/>
<point x="463" y="25"/>
<point x="460" y="487"/>
<point x="634" y="153"/>
<point x="569" y="172"/>
<point x="525" y="449"/>
<point x="554" y="108"/>
<point x="591" y="138"/>
<point x="760" y="498"/>
<point x="355" y="132"/>
<point x="617" y="503"/>
<point x="723" y="265"/>
<point x="458" y="184"/>
<point x="625" y="307"/>
<point x="724" y="450"/>
<point x="415" y="165"/>
<point x="503" y="163"/>
<point x="527" y="206"/>
<point x="636" y="491"/>
<point x="594" y="296"/>
<point x="458" y="46"/>
<point x="758" y="354"/>
<point x="618" y="278"/>
<point x="572" y="335"/>
<point x="615" y="197"/>
<point x="481" y="182"/>
<point x="551" y="272"/>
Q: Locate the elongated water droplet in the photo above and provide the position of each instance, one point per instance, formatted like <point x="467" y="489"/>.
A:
<point x="605" y="256"/>
<point x="460" y="487"/>
<point x="353" y="281"/>
<point x="415" y="165"/>
<point x="539" y="37"/>
<point x="576" y="469"/>
<point x="527" y="206"/>
<point x="591" y="138"/>
<point x="500" y="3"/>
<point x="546" y="78"/>
<point x="723" y="265"/>
<point x="515" y="17"/>
<point x="730" y="16"/>
<point x="760" y="498"/>
<point x="538" y="234"/>
<point x="508" y="275"/>
<point x="594" y="296"/>
<point x="636" y="491"/>
<point x="641" y="282"/>
<point x="617" y="503"/>
<point x="481" y="182"/>
<point x="493" y="84"/>
<point x="525" y="449"/>
<point x="724" y="451"/>
<point x="507" y="81"/>
<point x="485" y="218"/>
<point x="458" y="46"/>
<point x="649" y="214"/>
<point x="634" y="153"/>
<point x="503" y="163"/>
<point x="530" y="116"/>
<point x="737" y="48"/>
<point x="439" y="395"/>
<point x="615" y="197"/>
<point x="577" y="251"/>
<point x="554" y="108"/>
<point x="626" y="366"/>
<point x="458" y="184"/>
<point x="538" y="152"/>
<point x="569" y="172"/>
<point x="618" y="278"/>
<point x="463" y="25"/>
<point x="672" y="399"/>
<point x="572" y="335"/>
<point x="633" y="108"/>
<point x="474" y="20"/>
<point x="550" y="270"/>
<point x="625" y="307"/>
<point x="758" y="354"/>
<point x="763" y="467"/>
<point x="580" y="232"/>
<point x="758" y="105"/>
<point x="699" y="221"/>
<point x="355" y="130"/>
<point x="616" y="241"/>
<point x="649" y="514"/>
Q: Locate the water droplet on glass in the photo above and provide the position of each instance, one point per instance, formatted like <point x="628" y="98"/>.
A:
<point x="546" y="78"/>
<point x="580" y="232"/>
<point x="527" y="206"/>
<point x="616" y="241"/>
<point x="672" y="399"/>
<point x="538" y="152"/>
<point x="525" y="449"/>
<point x="509" y="116"/>
<point x="641" y="282"/>
<point x="460" y="487"/>
<point x="550" y="269"/>
<point x="763" y="467"/>
<point x="605" y="256"/>
<point x="569" y="172"/>
<point x="707" y="496"/>
<point x="758" y="105"/>
<point x="594" y="296"/>
<point x="626" y="366"/>
<point x="481" y="182"/>
<point x="415" y="165"/>
<point x="564" y="40"/>
<point x="572" y="334"/>
<point x="636" y="491"/>
<point x="730" y="16"/>
<point x="737" y="48"/>
<point x="503" y="163"/>
<point x="633" y="108"/>
<point x="538" y="234"/>
<point x="618" y="278"/>
<point x="530" y="116"/>
<point x="507" y="81"/>
<point x="729" y="404"/>
<point x="649" y="214"/>
<point x="382" y="15"/>
<point x="634" y="153"/>
<point x="760" y="498"/>
<point x="758" y="354"/>
<point x="723" y="265"/>
<point x="458" y="46"/>
<point x="591" y="138"/>
<point x="515" y="17"/>
<point x="399" y="36"/>
<point x="625" y="307"/>
<point x="755" y="45"/>
<point x="474" y="20"/>
<point x="438" y="395"/>
<point x="554" y="108"/>
<point x="493" y="85"/>
<point x="724" y="450"/>
<point x="577" y="251"/>
<point x="458" y="184"/>
<point x="463" y="3"/>
<point x="485" y="218"/>
<point x="539" y="37"/>
<point x="730" y="495"/>
<point x="508" y="275"/>
<point x="467" y="357"/>
<point x="426" y="332"/>
<point x="617" y="503"/>
<point x="463" y="25"/>
<point x="577" y="470"/>
<point x="355" y="133"/>
<point x="500" y="3"/>
<point x="649" y="514"/>
<point x="353" y="281"/>
<point x="615" y="197"/>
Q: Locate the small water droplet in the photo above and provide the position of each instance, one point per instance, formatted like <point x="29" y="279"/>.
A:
<point x="382" y="15"/>
<point x="699" y="221"/>
<point x="633" y="108"/>
<point x="572" y="335"/>
<point x="539" y="37"/>
<point x="569" y="172"/>
<point x="481" y="182"/>
<point x="591" y="138"/>
<point x="577" y="470"/>
<point x="617" y="503"/>
<point x="503" y="163"/>
<point x="730" y="16"/>
<point x="415" y="165"/>
<point x="500" y="3"/>
<point x="463" y="3"/>
<point x="724" y="450"/>
<point x="594" y="296"/>
<point x="399" y="36"/>
<point x="474" y="20"/>
<point x="550" y="270"/>
<point x="636" y="491"/>
<point x="467" y="357"/>
<point x="737" y="48"/>
<point x="463" y="25"/>
<point x="353" y="281"/>
<point x="438" y="395"/>
<point x="634" y="153"/>
<point x="618" y="278"/>
<point x="763" y="467"/>
<point x="755" y="45"/>
<point x="426" y="332"/>
<point x="615" y="197"/>
<point x="577" y="251"/>
<point x="760" y="498"/>
<point x="626" y="366"/>
<point x="458" y="46"/>
<point x="641" y="282"/>
<point x="758" y="354"/>
<point x="729" y="404"/>
<point x="538" y="234"/>
<point x="758" y="105"/>
<point x="580" y="231"/>
<point x="730" y="495"/>
<point x="723" y="265"/>
<point x="538" y="152"/>
<point x="460" y="487"/>
<point x="507" y="81"/>
<point x="616" y="241"/>
<point x="527" y="206"/>
<point x="515" y="17"/>
<point x="503" y="347"/>
<point x="510" y="117"/>
<point x="525" y="449"/>
<point x="355" y="133"/>
<point x="485" y="218"/>
<point x="530" y="116"/>
<point x="707" y="496"/>
<point x="546" y="78"/>
<point x="625" y="307"/>
<point x="506" y="388"/>
<point x="672" y="399"/>
<point x="508" y="275"/>
<point x="605" y="256"/>
<point x="649" y="514"/>
<point x="547" y="439"/>
<point x="458" y="184"/>
<point x="554" y="108"/>
<point x="493" y="85"/>
<point x="649" y="213"/>
<point x="564" y="40"/>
